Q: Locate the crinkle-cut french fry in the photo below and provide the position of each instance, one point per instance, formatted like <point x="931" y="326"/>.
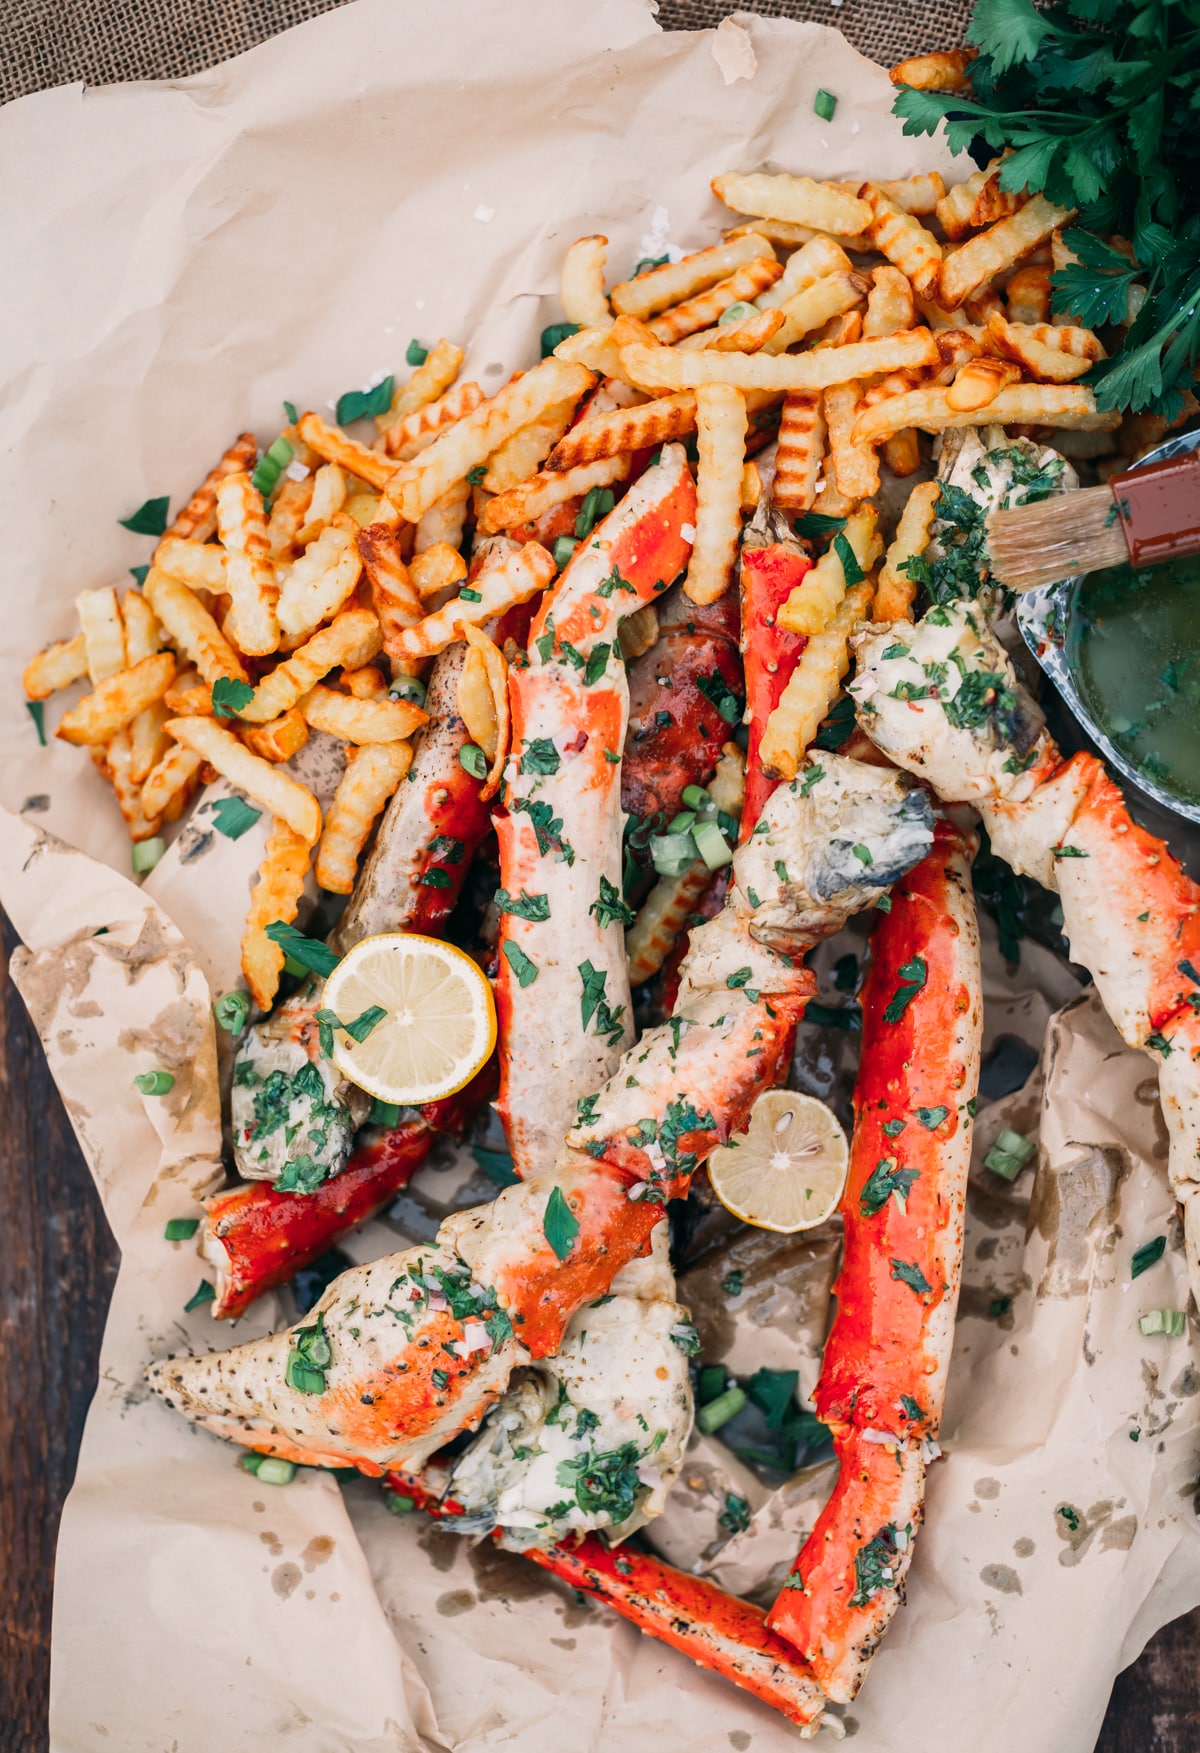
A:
<point x="261" y="781"/>
<point x="289" y="514"/>
<point x="442" y="525"/>
<point x="276" y="896"/>
<point x="704" y="310"/>
<point x="364" y="508"/>
<point x="824" y="206"/>
<point x="947" y="70"/>
<point x="673" y="282"/>
<point x="511" y="578"/>
<point x="855" y="466"/>
<point x="983" y="304"/>
<point x="349" y="641"/>
<point x="336" y="446"/>
<point x="147" y="740"/>
<point x="905" y="241"/>
<point x="813" y="687"/>
<point x="839" y="331"/>
<point x="889" y="303"/>
<point x="980" y="382"/>
<point x="593" y="348"/>
<point x="360" y="721"/>
<point x="749" y="493"/>
<point x="581" y="284"/>
<point x="746" y="336"/>
<point x="417" y="429"/>
<point x="329" y="495"/>
<point x="623" y="430"/>
<point x="454" y="453"/>
<point x="638" y="633"/>
<point x="372" y="775"/>
<point x="116" y="700"/>
<point x="55" y="667"/>
<point x="830" y="503"/>
<point x="934" y="317"/>
<point x="666" y="368"/>
<point x="524" y="453"/>
<point x="189" y="696"/>
<point x="956" y="206"/>
<point x="1027" y="295"/>
<point x="990" y="252"/>
<point x="249" y="574"/>
<point x="113" y="761"/>
<point x="198" y="519"/>
<point x="1055" y="352"/>
<point x="436" y="568"/>
<point x="322" y="579"/>
<point x="902" y="453"/>
<point x="829" y="297"/>
<point x="142" y="639"/>
<point x="431" y="379"/>
<point x="896" y="383"/>
<point x="956" y="348"/>
<point x="804" y="267"/>
<point x="781" y="232"/>
<point x="483" y="704"/>
<point x="199" y="565"/>
<point x="395" y="597"/>
<point x="721" y="447"/>
<point x="993" y="203"/>
<point x="814" y="602"/>
<point x="533" y="498"/>
<point x="191" y="629"/>
<point x="916" y="194"/>
<point x="103" y="631"/>
<point x="626" y="329"/>
<point x="279" y="740"/>
<point x="1024" y="404"/>
<point x="172" y="774"/>
<point x="366" y="683"/>
<point x="800" y="452"/>
<point x="897" y="591"/>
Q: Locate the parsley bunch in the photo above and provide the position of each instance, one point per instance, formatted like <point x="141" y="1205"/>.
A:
<point x="1099" y="104"/>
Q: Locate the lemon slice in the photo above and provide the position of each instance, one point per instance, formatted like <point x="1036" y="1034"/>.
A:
<point x="787" y="1170"/>
<point x="439" y="1024"/>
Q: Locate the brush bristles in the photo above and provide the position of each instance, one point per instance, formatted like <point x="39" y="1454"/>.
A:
<point x="1056" y="538"/>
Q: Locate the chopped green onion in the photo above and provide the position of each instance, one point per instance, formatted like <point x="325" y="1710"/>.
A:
<point x="1009" y="1154"/>
<point x="399" y="1506"/>
<point x="672" y="854"/>
<point x="695" y="797"/>
<point x="597" y="503"/>
<point x="231" y="1011"/>
<point x="415" y="354"/>
<point x="205" y="1292"/>
<point x="272" y="1471"/>
<point x="719" y="1411"/>
<point x="155" y="1083"/>
<point x="1149" y="1254"/>
<point x="710" y="1382"/>
<point x="180" y="1229"/>
<point x="384" y="1113"/>
<point x="410" y="688"/>
<point x="824" y="104"/>
<point x="736" y="313"/>
<point x="1172" y="1322"/>
<point x="472" y="758"/>
<point x="555" y="333"/>
<point x="564" y="548"/>
<point x="37" y="711"/>
<point x="712" y="845"/>
<point x="683" y="823"/>
<point x="290" y="410"/>
<point x="145" y="854"/>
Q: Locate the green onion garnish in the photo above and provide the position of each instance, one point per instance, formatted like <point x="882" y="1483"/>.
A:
<point x="1172" y="1322"/>
<point x="410" y="688"/>
<point x="273" y="1471"/>
<point x="1009" y="1154"/>
<point x="683" y="823"/>
<point x="181" y="1229"/>
<point x="564" y="547"/>
<point x="719" y="1411"/>
<point x="384" y="1113"/>
<point x="712" y="845"/>
<point x="672" y="854"/>
<point x="145" y="854"/>
<point x="155" y="1083"/>
<point x="231" y="1011"/>
<point x="555" y="333"/>
<point x="415" y="354"/>
<point x="1149" y="1254"/>
<point x="37" y="711"/>
<point x="695" y="797"/>
<point x="824" y="104"/>
<point x="736" y="313"/>
<point x="399" y="1506"/>
<point x="472" y="758"/>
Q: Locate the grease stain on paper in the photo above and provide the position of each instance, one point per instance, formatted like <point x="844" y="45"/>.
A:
<point x="284" y="1579"/>
<point x="1002" y="1577"/>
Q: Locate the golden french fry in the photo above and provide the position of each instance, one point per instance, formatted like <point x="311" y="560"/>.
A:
<point x="897" y="591"/>
<point x="809" y="311"/>
<point x="889" y="303"/>
<point x="524" y="453"/>
<point x="372" y="775"/>
<point x="189" y="697"/>
<point x="289" y="514"/>
<point x="1023" y="404"/>
<point x="813" y="687"/>
<point x="916" y="194"/>
<point x="855" y="466"/>
<point x="323" y="578"/>
<point x="329" y="495"/>
<point x="360" y="721"/>
<point x="993" y="203"/>
<point x="934" y="317"/>
<point x="416" y="430"/>
<point x="830" y="503"/>
<point x="956" y="347"/>
<point x="721" y="446"/>
<point x="443" y="524"/>
<point x="623" y="430"/>
<point x="801" y="451"/>
<point x="746" y="336"/>
<point x="956" y="206"/>
<point x="103" y="631"/>
<point x="839" y="331"/>
<point x="948" y="70"/>
<point x="199" y="565"/>
<point x="665" y="368"/>
<point x="902" y="453"/>
<point x="1055" y="352"/>
<point x="674" y="281"/>
<point x="437" y="568"/>
<point x="198" y="519"/>
<point x="116" y="700"/>
<point x="350" y="641"/>
<point x="777" y="231"/>
<point x="704" y="310"/>
<point x="814" y="602"/>
<point x="275" y="898"/>
<point x="483" y="704"/>
<point x="113" y="761"/>
<point x="364" y="508"/>
<point x="749" y="494"/>
<point x="262" y="782"/>
<point x="56" y="667"/>
<point x="582" y="283"/>
<point x="530" y="500"/>
<point x="904" y="240"/>
<point x="626" y="329"/>
<point x="510" y="578"/>
<point x="1027" y="295"/>
<point x="638" y="632"/>
<point x="249" y="574"/>
<point x="279" y="739"/>
<point x="172" y="774"/>
<point x="147" y="740"/>
<point x="979" y="383"/>
<point x="191" y="629"/>
<point x="804" y="267"/>
<point x="983" y="304"/>
<point x="366" y="683"/>
<point x="990" y="252"/>
<point x="336" y="446"/>
<point x="397" y="602"/>
<point x="431" y="379"/>
<point x="824" y="206"/>
<point x="142" y="639"/>
<point x="454" y="453"/>
<point x="593" y="348"/>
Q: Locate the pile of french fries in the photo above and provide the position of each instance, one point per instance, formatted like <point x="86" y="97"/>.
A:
<point x="837" y="320"/>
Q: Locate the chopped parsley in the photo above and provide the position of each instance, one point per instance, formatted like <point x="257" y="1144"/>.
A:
<point x="525" y="906"/>
<point x="365" y="404"/>
<point x="887" y="1181"/>
<point x="560" y="1226"/>
<point x="523" y="966"/>
<point x="610" y="909"/>
<point x="913" y="975"/>
<point x="229" y="695"/>
<point x="909" y="1273"/>
<point x="875" y="1565"/>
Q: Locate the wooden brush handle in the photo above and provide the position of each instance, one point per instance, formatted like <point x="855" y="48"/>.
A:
<point x="1159" y="508"/>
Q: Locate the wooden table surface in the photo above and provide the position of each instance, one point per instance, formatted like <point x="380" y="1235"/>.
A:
<point x="57" y="1269"/>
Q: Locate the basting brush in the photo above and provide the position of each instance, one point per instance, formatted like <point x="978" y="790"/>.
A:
<point x="1144" y="516"/>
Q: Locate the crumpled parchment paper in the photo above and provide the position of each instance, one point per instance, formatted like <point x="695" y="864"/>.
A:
<point x="179" y="258"/>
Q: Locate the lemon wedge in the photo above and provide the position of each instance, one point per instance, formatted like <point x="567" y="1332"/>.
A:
<point x="786" y="1172"/>
<point x="438" y="1024"/>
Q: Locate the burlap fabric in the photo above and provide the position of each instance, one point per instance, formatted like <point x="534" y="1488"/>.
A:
<point x="55" y="42"/>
